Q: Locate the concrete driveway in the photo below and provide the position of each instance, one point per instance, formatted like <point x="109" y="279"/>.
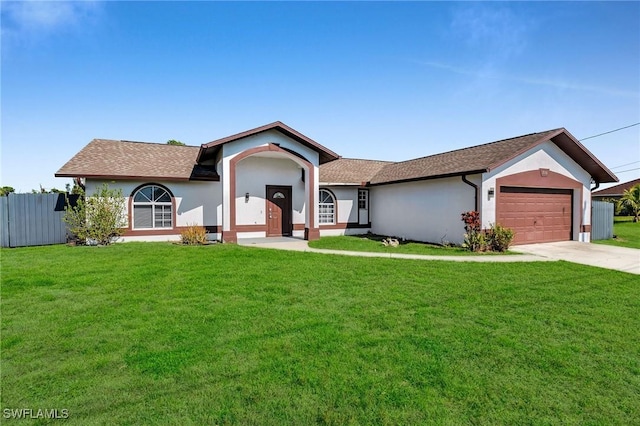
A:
<point x="610" y="257"/>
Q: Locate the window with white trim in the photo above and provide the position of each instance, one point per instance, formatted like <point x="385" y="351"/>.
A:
<point x="326" y="207"/>
<point x="363" y="198"/>
<point x="152" y="208"/>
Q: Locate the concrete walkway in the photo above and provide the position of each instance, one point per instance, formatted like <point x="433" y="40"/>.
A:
<point x="604" y="256"/>
<point x="295" y="244"/>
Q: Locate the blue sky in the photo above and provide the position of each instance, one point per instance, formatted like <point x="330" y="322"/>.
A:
<point x="376" y="80"/>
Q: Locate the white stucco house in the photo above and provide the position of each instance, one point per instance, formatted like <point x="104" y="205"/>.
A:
<point x="275" y="181"/>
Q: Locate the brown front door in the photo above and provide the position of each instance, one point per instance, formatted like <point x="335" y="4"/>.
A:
<point x="278" y="211"/>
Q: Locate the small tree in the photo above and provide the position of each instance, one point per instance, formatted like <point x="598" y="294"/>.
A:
<point x="98" y="218"/>
<point x="76" y="189"/>
<point x="175" y="142"/>
<point x="631" y="199"/>
<point x="6" y="190"/>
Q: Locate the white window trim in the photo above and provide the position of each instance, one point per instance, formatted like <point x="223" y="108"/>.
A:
<point x="365" y="198"/>
<point x="327" y="205"/>
<point x="153" y="209"/>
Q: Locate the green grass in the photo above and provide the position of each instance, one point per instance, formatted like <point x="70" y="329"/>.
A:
<point x="627" y="233"/>
<point x="373" y="243"/>
<point x="167" y="334"/>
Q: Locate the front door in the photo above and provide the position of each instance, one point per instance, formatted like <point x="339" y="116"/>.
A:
<point x="278" y="211"/>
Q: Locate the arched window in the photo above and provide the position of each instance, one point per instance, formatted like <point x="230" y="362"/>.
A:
<point x="152" y="208"/>
<point x="326" y="207"/>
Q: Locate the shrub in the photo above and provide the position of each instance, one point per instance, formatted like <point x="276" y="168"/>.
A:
<point x="194" y="235"/>
<point x="499" y="238"/>
<point x="98" y="218"/>
<point x="473" y="238"/>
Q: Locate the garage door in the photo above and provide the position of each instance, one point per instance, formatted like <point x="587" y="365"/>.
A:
<point x="537" y="215"/>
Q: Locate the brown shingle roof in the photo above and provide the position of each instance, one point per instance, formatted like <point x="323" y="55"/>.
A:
<point x="130" y="160"/>
<point x="476" y="159"/>
<point x="617" y="190"/>
<point x="483" y="158"/>
<point x="106" y="158"/>
<point x="350" y="170"/>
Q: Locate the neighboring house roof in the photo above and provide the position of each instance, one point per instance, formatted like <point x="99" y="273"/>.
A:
<point x="350" y="171"/>
<point x="617" y="190"/>
<point x="112" y="159"/>
<point x="484" y="158"/>
<point x="209" y="150"/>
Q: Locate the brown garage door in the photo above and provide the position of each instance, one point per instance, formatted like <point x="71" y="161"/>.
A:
<point x="537" y="215"/>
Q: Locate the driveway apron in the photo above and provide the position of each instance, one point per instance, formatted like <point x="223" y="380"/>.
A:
<point x="609" y="257"/>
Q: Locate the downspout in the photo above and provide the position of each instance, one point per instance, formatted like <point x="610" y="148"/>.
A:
<point x="464" y="179"/>
<point x="596" y="187"/>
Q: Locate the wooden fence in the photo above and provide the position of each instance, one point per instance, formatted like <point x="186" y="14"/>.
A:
<point x="601" y="220"/>
<point x="32" y="220"/>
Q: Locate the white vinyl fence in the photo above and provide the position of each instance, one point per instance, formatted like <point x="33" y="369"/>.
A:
<point x="601" y="220"/>
<point x="32" y="220"/>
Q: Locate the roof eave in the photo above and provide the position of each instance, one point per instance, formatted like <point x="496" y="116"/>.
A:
<point x="121" y="177"/>
<point x="585" y="159"/>
<point x="440" y="176"/>
<point x="325" y="154"/>
<point x="523" y="150"/>
<point x="589" y="162"/>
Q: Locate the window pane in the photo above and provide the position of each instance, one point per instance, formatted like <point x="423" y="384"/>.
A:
<point x="326" y="207"/>
<point x="161" y="195"/>
<point x="142" y="217"/>
<point x="325" y="196"/>
<point x="144" y="194"/>
<point x="362" y="199"/>
<point x="326" y="213"/>
<point x="152" y="208"/>
<point x="162" y="216"/>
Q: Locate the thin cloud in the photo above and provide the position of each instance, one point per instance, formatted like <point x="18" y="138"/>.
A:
<point x="29" y="19"/>
<point x="495" y="29"/>
<point x="556" y="84"/>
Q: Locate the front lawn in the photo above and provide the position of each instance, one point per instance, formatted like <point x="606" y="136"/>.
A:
<point x="373" y="243"/>
<point x="626" y="232"/>
<point x="166" y="334"/>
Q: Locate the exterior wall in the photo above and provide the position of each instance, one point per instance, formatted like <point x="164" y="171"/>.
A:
<point x="195" y="203"/>
<point x="543" y="156"/>
<point x="427" y="210"/>
<point x="231" y="149"/>
<point x="253" y="174"/>
<point x="346" y="211"/>
<point x="344" y="231"/>
<point x="347" y="200"/>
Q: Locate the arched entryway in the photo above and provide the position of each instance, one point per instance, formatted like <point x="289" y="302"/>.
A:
<point x="249" y="210"/>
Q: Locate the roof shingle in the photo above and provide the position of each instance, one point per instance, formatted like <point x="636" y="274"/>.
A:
<point x="350" y="170"/>
<point x="123" y="159"/>
<point x="475" y="159"/>
<point x="114" y="159"/>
